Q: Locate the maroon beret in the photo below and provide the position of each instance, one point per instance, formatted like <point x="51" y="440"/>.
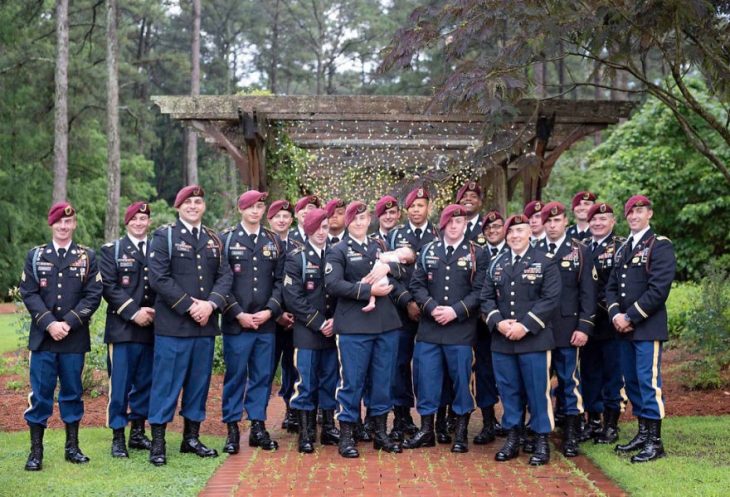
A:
<point x="449" y="212"/>
<point x="313" y="220"/>
<point x="278" y="205"/>
<point x="141" y="207"/>
<point x="490" y="217"/>
<point x="333" y="204"/>
<point x="385" y="203"/>
<point x="353" y="209"/>
<point x="58" y="211"/>
<point x="583" y="196"/>
<point x="187" y="192"/>
<point x="471" y="186"/>
<point x="602" y="208"/>
<point x="551" y="209"/>
<point x="515" y="219"/>
<point x="305" y="201"/>
<point x="415" y="194"/>
<point x="250" y="197"/>
<point x="636" y="201"/>
<point x="532" y="207"/>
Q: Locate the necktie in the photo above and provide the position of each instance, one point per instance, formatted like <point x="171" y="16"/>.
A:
<point x="418" y="233"/>
<point x="494" y="251"/>
<point x="551" y="249"/>
<point x="595" y="246"/>
<point x="195" y="233"/>
<point x="449" y="251"/>
<point x="335" y="239"/>
<point x="253" y="237"/>
<point x="517" y="260"/>
<point x="61" y="253"/>
<point x="141" y="247"/>
<point x="630" y="243"/>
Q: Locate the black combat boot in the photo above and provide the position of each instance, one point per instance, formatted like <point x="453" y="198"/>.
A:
<point x="364" y="431"/>
<point x="591" y="428"/>
<point x="527" y="440"/>
<point x="609" y="433"/>
<point x="653" y="447"/>
<point x="35" y="458"/>
<point x="291" y="421"/>
<point x="542" y="450"/>
<point x="511" y="447"/>
<point x="409" y="426"/>
<point x="570" y="435"/>
<point x="450" y="419"/>
<point x="425" y="437"/>
<point x="402" y="423"/>
<point x="635" y="443"/>
<point x="346" y="446"/>
<point x="158" y="454"/>
<point x="442" y="430"/>
<point x="307" y="432"/>
<point x="191" y="441"/>
<point x="233" y="439"/>
<point x="137" y="438"/>
<point x="381" y="440"/>
<point x="259" y="437"/>
<point x="330" y="435"/>
<point x="119" y="445"/>
<point x="72" y="452"/>
<point x="488" y="433"/>
<point x="461" y="435"/>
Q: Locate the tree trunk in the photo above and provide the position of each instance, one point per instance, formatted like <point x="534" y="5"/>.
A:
<point x="191" y="141"/>
<point x="60" y="145"/>
<point x="111" y="223"/>
<point x="274" y="65"/>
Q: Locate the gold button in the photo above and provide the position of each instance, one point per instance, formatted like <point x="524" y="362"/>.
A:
<point x="446" y="297"/>
<point x="59" y="297"/>
<point x="202" y="289"/>
<point x="200" y="277"/>
<point x="447" y="278"/>
<point x="448" y="267"/>
<point x="145" y="278"/>
<point x="446" y="288"/>
<point x="145" y="269"/>
<point x="623" y="294"/>
<point x="511" y="293"/>
<point x="59" y="285"/>
<point x="200" y="267"/>
<point x="198" y="256"/>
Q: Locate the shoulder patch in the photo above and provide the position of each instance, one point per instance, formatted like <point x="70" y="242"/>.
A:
<point x="288" y="281"/>
<point x="328" y="268"/>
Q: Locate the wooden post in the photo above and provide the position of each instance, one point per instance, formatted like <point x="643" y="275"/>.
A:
<point x="494" y="183"/>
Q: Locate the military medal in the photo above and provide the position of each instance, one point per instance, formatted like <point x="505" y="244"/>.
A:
<point x="635" y="260"/>
<point x="565" y="264"/>
<point x="43" y="282"/>
<point x="236" y="268"/>
<point x="310" y="285"/>
<point x="267" y="253"/>
<point x="125" y="280"/>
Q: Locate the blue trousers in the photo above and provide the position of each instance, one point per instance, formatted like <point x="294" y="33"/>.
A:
<point x="364" y="356"/>
<point x="525" y="378"/>
<point x="317" y="373"/>
<point x="284" y="354"/>
<point x="180" y="364"/>
<point x="434" y="362"/>
<point x="249" y="357"/>
<point x="486" y="385"/>
<point x="46" y="369"/>
<point x="570" y="398"/>
<point x="600" y="375"/>
<point x="641" y="365"/>
<point x="130" y="380"/>
<point x="402" y="375"/>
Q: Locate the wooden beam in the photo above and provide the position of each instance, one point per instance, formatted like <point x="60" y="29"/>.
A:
<point x="213" y="133"/>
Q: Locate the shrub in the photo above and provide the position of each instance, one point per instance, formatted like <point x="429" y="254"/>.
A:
<point x="683" y="300"/>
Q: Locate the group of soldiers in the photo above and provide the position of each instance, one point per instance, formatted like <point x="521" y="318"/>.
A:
<point x="444" y="318"/>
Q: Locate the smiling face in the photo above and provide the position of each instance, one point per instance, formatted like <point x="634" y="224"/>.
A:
<point x="139" y="225"/>
<point x="601" y="225"/>
<point x="303" y="213"/>
<point x="281" y="222"/>
<point x="337" y="221"/>
<point x="494" y="232"/>
<point x="319" y="237"/>
<point x="389" y="219"/>
<point x="455" y="229"/>
<point x="191" y="210"/>
<point x="580" y="211"/>
<point x="518" y="237"/>
<point x="251" y="216"/>
<point x="63" y="230"/>
<point x="471" y="202"/>
<point x="536" y="226"/>
<point x="638" y="218"/>
<point x="358" y="228"/>
<point x="418" y="211"/>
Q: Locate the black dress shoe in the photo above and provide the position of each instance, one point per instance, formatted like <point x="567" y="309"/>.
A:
<point x="653" y="447"/>
<point x="542" y="450"/>
<point x="511" y="447"/>
<point x="191" y="443"/>
<point x="381" y="440"/>
<point x="346" y="447"/>
<point x="329" y="435"/>
<point x="72" y="452"/>
<point x="425" y="437"/>
<point x="35" y="458"/>
<point x="137" y="438"/>
<point x="487" y="434"/>
<point x="461" y="435"/>
<point x="158" y="454"/>
<point x="259" y="437"/>
<point x="233" y="439"/>
<point x="119" y="446"/>
<point x="637" y="442"/>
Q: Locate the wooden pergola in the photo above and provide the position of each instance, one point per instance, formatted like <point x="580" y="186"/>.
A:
<point x="347" y="130"/>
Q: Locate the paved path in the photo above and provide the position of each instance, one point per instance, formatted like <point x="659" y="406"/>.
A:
<point x="419" y="473"/>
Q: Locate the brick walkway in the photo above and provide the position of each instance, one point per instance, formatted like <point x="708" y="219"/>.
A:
<point x="419" y="473"/>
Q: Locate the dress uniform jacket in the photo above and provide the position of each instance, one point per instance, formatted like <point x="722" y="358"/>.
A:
<point x="529" y="293"/>
<point x="603" y="257"/>
<point x="476" y="233"/>
<point x="346" y="264"/>
<point x="572" y="232"/>
<point x="306" y="298"/>
<point x="182" y="268"/>
<point x="258" y="271"/>
<point x="639" y="286"/>
<point x="60" y="290"/>
<point x="296" y="236"/>
<point x="454" y="281"/>
<point x="126" y="288"/>
<point x="577" y="309"/>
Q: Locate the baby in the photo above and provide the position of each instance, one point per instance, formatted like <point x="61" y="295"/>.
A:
<point x="404" y="255"/>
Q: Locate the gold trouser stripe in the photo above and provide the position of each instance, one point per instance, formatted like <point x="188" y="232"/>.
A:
<point x="340" y="384"/>
<point x="30" y="394"/>
<point x="655" y="378"/>
<point x="299" y="376"/>
<point x="548" y="399"/>
<point x="111" y="373"/>
<point x="473" y="381"/>
<point x="124" y="306"/>
<point x="576" y="382"/>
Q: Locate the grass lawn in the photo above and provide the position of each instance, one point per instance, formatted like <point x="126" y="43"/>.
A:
<point x="697" y="464"/>
<point x="8" y="337"/>
<point x="184" y="475"/>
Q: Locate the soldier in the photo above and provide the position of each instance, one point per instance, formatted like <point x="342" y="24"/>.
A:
<point x="415" y="235"/>
<point x="520" y="295"/>
<point x="581" y="204"/>
<point x="446" y="284"/>
<point x="303" y="205"/>
<point x="316" y="353"/>
<point x="280" y="216"/>
<point x="388" y="213"/>
<point x="129" y="332"/>
<point x="636" y="295"/>
<point x="61" y="288"/>
<point x="335" y="209"/>
<point x="366" y="341"/>
<point x="599" y="358"/>
<point x="189" y="272"/>
<point x="532" y="211"/>
<point x="253" y="305"/>
<point x="574" y="320"/>
<point x="486" y="386"/>
<point x="470" y="196"/>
